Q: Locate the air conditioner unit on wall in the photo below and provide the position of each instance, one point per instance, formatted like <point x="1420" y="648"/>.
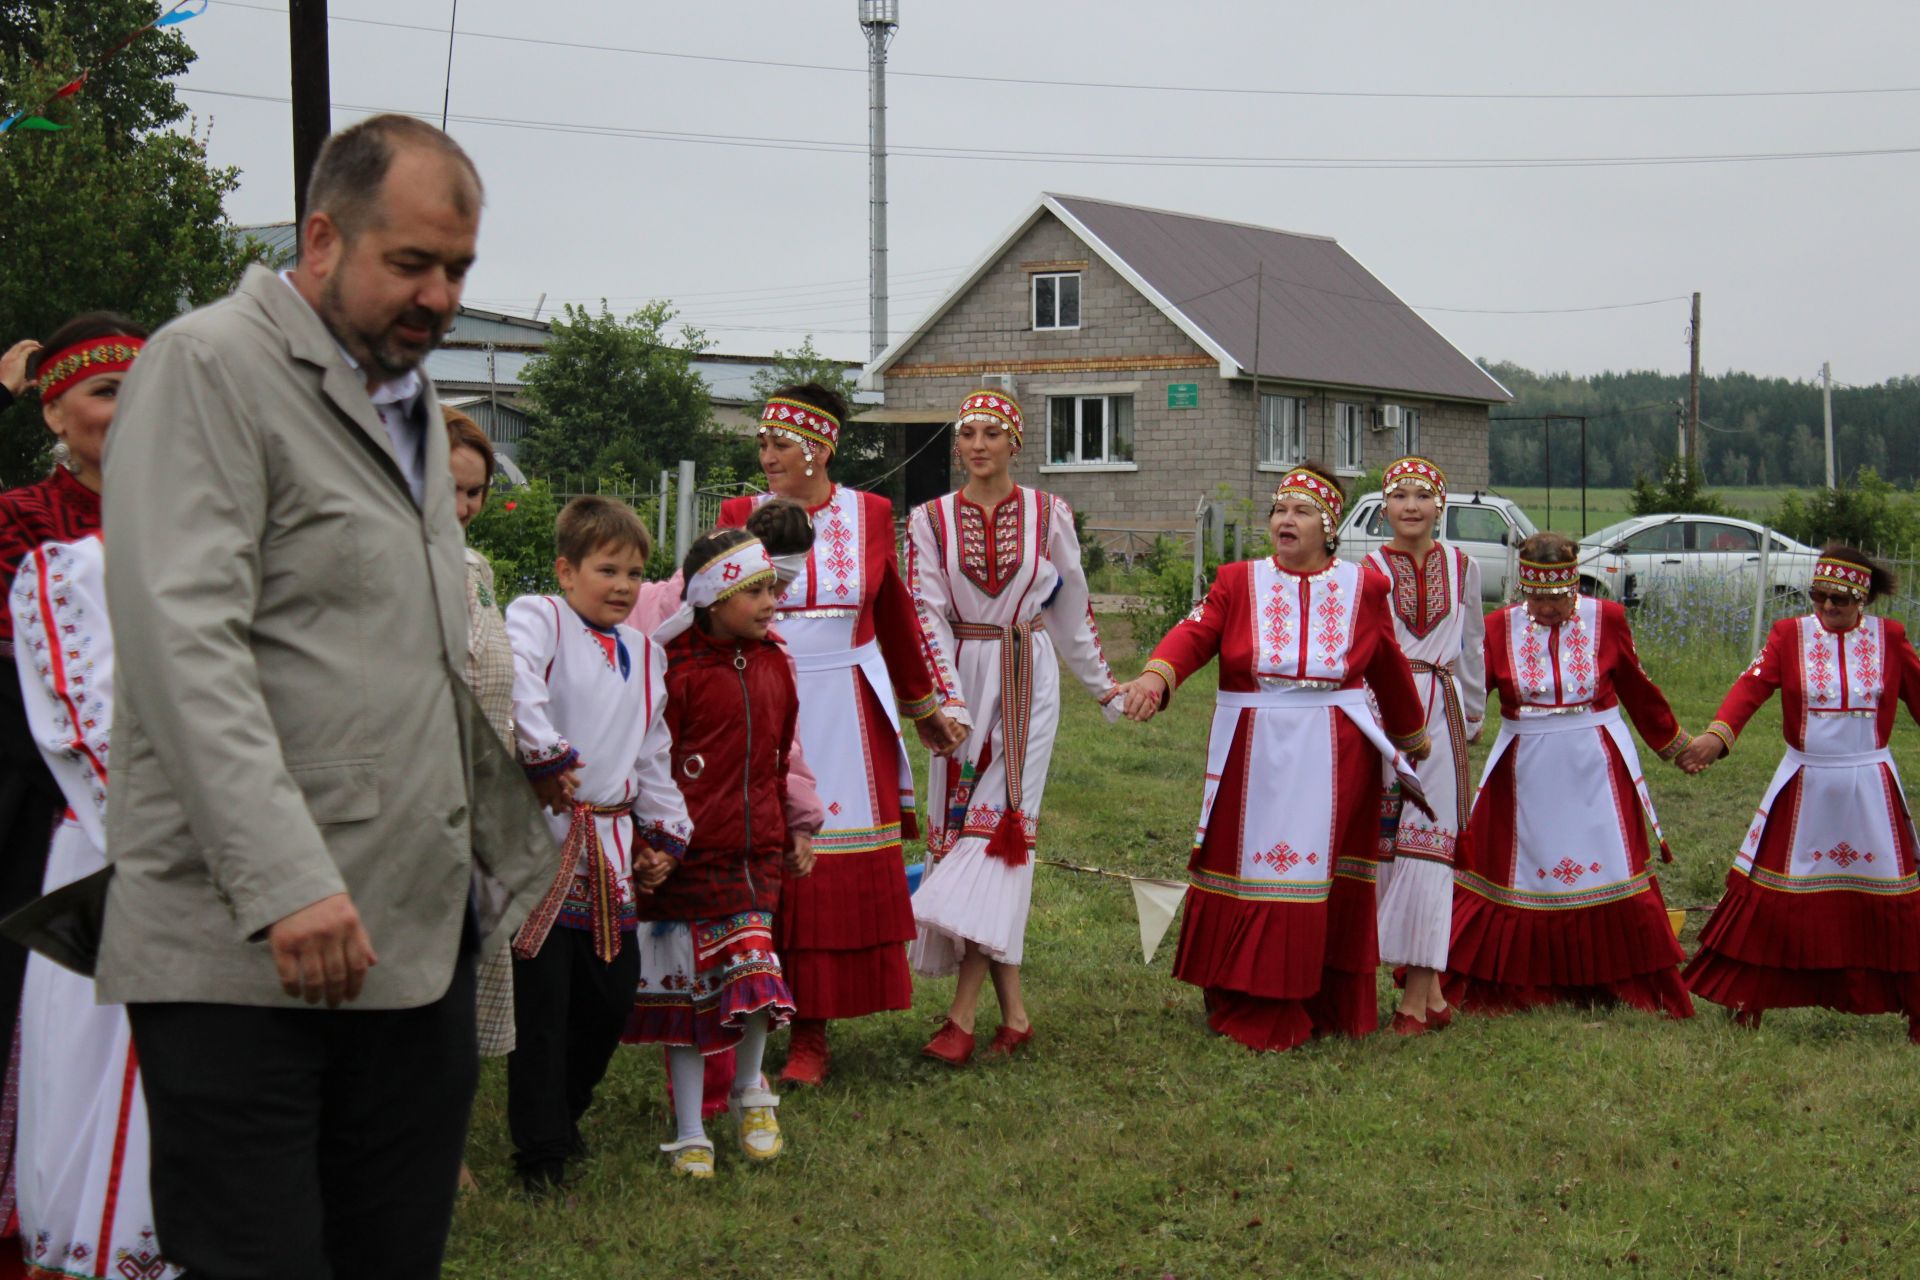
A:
<point x="1001" y="382"/>
<point x="1391" y="417"/>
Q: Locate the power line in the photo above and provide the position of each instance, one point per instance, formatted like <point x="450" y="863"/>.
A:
<point x="1131" y="160"/>
<point x="1127" y="86"/>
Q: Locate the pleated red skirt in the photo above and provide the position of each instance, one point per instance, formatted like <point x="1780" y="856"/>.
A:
<point x="1277" y="974"/>
<point x="842" y="931"/>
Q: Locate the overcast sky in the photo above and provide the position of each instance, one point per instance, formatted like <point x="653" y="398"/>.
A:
<point x="1799" y="260"/>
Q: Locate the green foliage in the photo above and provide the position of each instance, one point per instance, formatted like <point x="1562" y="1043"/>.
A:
<point x="611" y="394"/>
<point x="1869" y="513"/>
<point x="1681" y="488"/>
<point x="515" y="531"/>
<point x="865" y="454"/>
<point x="1093" y="555"/>
<point x="117" y="211"/>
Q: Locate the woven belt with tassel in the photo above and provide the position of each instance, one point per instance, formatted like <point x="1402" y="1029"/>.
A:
<point x="603" y="900"/>
<point x="1009" y="842"/>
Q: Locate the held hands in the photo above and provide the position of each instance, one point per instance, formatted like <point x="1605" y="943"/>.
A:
<point x="322" y="951"/>
<point x="800" y="857"/>
<point x="555" y="791"/>
<point x="650" y="868"/>
<point x="940" y="733"/>
<point x="13" y="365"/>
<point x="1700" y="753"/>
<point x="1141" y="696"/>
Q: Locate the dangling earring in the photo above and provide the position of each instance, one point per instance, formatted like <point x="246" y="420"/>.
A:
<point x="808" y="455"/>
<point x="62" y="455"/>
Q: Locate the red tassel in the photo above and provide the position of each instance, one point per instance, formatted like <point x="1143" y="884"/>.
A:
<point x="1666" y="854"/>
<point x="1009" y="843"/>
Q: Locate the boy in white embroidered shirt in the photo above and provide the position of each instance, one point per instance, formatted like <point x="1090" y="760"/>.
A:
<point x="589" y="698"/>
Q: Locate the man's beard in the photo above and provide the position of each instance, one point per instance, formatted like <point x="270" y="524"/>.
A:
<point x="378" y="352"/>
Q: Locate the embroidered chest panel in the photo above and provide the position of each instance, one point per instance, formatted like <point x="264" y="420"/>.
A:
<point x="1303" y="626"/>
<point x="1556" y="666"/>
<point x="1422" y="593"/>
<point x="1842" y="672"/>
<point x="991" y="546"/>
<point x="835" y="574"/>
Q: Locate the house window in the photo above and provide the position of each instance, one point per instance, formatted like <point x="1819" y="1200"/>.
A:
<point x="1283" y="440"/>
<point x="1089" y="430"/>
<point x="1056" y="300"/>
<point x="1349" y="429"/>
<point x="1409" y="432"/>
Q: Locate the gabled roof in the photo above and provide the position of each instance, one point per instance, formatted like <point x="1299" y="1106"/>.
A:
<point x="1322" y="318"/>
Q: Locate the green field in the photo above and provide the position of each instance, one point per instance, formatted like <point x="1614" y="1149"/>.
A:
<point x="1134" y="1144"/>
<point x="1607" y="506"/>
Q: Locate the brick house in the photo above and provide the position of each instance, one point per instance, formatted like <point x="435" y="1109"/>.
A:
<point x="1129" y="337"/>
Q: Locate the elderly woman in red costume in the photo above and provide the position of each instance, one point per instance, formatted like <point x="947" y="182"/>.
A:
<point x="849" y="623"/>
<point x="1822" y="904"/>
<point x="995" y="573"/>
<point x="1279" y="925"/>
<point x="1553" y="895"/>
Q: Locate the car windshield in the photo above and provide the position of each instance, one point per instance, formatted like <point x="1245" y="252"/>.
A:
<point x="1611" y="534"/>
<point x="1526" y="526"/>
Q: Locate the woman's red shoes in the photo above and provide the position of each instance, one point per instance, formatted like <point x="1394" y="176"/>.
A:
<point x="951" y="1044"/>
<point x="1006" y="1040"/>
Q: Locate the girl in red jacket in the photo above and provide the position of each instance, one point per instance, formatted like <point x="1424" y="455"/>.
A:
<point x="709" y="977"/>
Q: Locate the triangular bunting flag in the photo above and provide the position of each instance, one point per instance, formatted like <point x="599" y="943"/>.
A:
<point x="1155" y="902"/>
<point x="39" y="122"/>
<point x="180" y="13"/>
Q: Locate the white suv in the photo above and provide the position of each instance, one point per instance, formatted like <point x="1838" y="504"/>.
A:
<point x="1486" y="527"/>
<point x="1642" y="558"/>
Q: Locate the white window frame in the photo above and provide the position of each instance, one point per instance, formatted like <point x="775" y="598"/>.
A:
<point x="1295" y="434"/>
<point x="1350" y="419"/>
<point x="1033" y="300"/>
<point x="1106" y="461"/>
<point x="1410" y="433"/>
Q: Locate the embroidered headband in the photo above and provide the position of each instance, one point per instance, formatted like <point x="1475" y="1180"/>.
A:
<point x="83" y="360"/>
<point x="743" y="565"/>
<point x="1855" y="580"/>
<point x="991" y="406"/>
<point x="1419" y="473"/>
<point x="1537" y="579"/>
<point x="803" y="424"/>
<point x="1301" y="483"/>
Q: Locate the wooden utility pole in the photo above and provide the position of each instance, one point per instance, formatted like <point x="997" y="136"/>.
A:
<point x="1826" y="412"/>
<point x="1693" y="390"/>
<point x="312" y="94"/>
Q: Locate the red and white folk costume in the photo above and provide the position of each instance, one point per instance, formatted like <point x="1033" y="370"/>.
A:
<point x="1279" y="927"/>
<point x="1553" y="895"/>
<point x="1438" y="623"/>
<point x="1822" y="904"/>
<point x="849" y="623"/>
<point x="999" y="594"/>
<point x="81" y="1160"/>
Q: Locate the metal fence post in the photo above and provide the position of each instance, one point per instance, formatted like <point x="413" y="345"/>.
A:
<point x="1762" y="593"/>
<point x="683" y="533"/>
<point x="1200" y="549"/>
<point x="660" y="515"/>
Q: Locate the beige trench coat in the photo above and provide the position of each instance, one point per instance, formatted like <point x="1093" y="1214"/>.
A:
<point x="289" y="634"/>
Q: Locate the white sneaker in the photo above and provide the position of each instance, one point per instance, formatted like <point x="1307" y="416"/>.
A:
<point x="756" y="1122"/>
<point x="692" y="1158"/>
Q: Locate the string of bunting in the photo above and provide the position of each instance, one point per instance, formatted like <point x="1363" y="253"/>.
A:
<point x="30" y="117"/>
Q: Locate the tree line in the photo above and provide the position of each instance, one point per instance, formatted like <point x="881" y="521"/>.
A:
<point x="1754" y="430"/>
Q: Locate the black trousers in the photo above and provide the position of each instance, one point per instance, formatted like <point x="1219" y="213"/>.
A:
<point x="30" y="804"/>
<point x="308" y="1144"/>
<point x="569" y="1008"/>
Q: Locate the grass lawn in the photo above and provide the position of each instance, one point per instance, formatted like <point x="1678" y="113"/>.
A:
<point x="1133" y="1143"/>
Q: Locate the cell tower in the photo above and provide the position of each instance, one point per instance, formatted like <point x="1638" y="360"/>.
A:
<point x="879" y="19"/>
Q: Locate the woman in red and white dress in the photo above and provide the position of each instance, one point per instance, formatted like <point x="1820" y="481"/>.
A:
<point x="1279" y="923"/>
<point x="1554" y="898"/>
<point x="995" y="574"/>
<point x="850" y="625"/>
<point x="1822" y="905"/>
<point x="1437" y="620"/>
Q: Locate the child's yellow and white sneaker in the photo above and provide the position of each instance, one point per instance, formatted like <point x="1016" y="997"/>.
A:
<point x="756" y="1121"/>
<point x="690" y="1158"/>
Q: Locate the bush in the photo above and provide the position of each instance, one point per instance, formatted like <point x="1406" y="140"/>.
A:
<point x="1681" y="490"/>
<point x="1869" y="513"/>
<point x="1093" y="556"/>
<point x="515" y="531"/>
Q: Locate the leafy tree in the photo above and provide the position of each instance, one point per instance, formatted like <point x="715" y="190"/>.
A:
<point x="866" y="453"/>
<point x="116" y="211"/>
<point x="1869" y="513"/>
<point x="610" y="394"/>
<point x="1681" y="488"/>
<point x="515" y="531"/>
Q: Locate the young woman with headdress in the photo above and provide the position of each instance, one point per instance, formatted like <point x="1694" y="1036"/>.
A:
<point x="1279" y="925"/>
<point x="994" y="569"/>
<point x="1554" y="895"/>
<point x="1437" y="620"/>
<point x="1822" y="904"/>
<point x="850" y="625"/>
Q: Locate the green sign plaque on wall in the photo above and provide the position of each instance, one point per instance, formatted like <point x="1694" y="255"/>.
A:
<point x="1183" y="395"/>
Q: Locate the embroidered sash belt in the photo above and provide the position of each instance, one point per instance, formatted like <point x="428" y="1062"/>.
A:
<point x="1009" y="842"/>
<point x="583" y="836"/>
